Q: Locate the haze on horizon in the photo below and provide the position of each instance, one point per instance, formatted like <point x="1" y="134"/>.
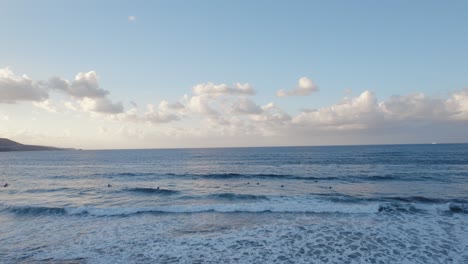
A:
<point x="239" y="73"/>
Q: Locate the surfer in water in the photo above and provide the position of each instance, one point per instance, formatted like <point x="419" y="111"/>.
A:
<point x="5" y="185"/>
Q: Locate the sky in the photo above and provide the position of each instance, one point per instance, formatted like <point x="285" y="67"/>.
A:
<point x="175" y="74"/>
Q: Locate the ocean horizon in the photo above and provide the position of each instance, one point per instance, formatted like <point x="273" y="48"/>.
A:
<point x="280" y="146"/>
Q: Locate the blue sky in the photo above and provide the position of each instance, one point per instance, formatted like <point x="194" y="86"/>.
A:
<point x="386" y="47"/>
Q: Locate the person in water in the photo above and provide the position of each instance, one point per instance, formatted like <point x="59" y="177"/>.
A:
<point x="5" y="185"/>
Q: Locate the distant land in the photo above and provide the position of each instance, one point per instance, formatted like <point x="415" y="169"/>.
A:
<point x="10" y="145"/>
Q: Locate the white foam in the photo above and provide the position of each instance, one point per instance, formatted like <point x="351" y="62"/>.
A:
<point x="282" y="238"/>
<point x="279" y="205"/>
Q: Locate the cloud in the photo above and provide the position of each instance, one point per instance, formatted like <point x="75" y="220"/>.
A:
<point x="104" y="105"/>
<point x="271" y="119"/>
<point x="166" y="106"/>
<point x="305" y="86"/>
<point x="245" y="106"/>
<point x="165" y="112"/>
<point x="415" y="106"/>
<point x="352" y="113"/>
<point x="160" y="115"/>
<point x="223" y="89"/>
<point x="46" y="105"/>
<point x="85" y="84"/>
<point x="200" y="105"/>
<point x="230" y="113"/>
<point x="457" y="105"/>
<point x="100" y="105"/>
<point x="15" y="88"/>
<point x="86" y="90"/>
<point x="131" y="18"/>
<point x="364" y="112"/>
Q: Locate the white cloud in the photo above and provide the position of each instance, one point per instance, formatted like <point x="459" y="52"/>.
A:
<point x="15" y="88"/>
<point x="160" y="115"/>
<point x="166" y="106"/>
<point x="4" y="117"/>
<point x="365" y="112"/>
<point x="104" y="105"/>
<point x="101" y="105"/>
<point x="245" y="106"/>
<point x="46" y="105"/>
<point x="131" y="18"/>
<point x="223" y="89"/>
<point x="413" y="107"/>
<point x="352" y="113"/>
<point x="70" y="105"/>
<point x="85" y="89"/>
<point x="201" y="105"/>
<point x="271" y="113"/>
<point x="305" y="86"/>
<point x="457" y="105"/>
<point x="85" y="84"/>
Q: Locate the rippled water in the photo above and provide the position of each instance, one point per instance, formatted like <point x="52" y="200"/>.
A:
<point x="354" y="204"/>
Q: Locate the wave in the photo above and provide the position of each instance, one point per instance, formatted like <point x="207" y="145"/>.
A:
<point x="35" y="210"/>
<point x="268" y="176"/>
<point x="125" y="174"/>
<point x="49" y="190"/>
<point x="401" y="199"/>
<point x="256" y="205"/>
<point x="344" y="178"/>
<point x="421" y="199"/>
<point x="257" y="176"/>
<point x="147" y="190"/>
<point x="236" y="196"/>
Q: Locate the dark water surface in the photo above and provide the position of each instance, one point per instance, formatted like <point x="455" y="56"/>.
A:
<point x="347" y="204"/>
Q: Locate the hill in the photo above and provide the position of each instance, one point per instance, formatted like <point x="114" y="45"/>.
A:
<point x="10" y="145"/>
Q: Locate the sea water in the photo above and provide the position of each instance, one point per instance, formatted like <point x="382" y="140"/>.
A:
<point x="341" y="204"/>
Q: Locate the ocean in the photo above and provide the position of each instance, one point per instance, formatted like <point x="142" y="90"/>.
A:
<point x="336" y="204"/>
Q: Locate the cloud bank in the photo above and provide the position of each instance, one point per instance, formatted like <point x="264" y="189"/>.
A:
<point x="221" y="111"/>
<point x="84" y="89"/>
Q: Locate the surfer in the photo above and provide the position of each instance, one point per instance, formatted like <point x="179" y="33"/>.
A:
<point x="5" y="185"/>
<point x="109" y="185"/>
<point x="157" y="188"/>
